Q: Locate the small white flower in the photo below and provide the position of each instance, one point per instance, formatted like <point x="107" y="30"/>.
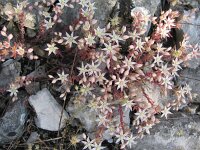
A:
<point x="164" y="32"/>
<point x="51" y="48"/>
<point x="139" y="44"/>
<point x="165" y="70"/>
<point x="102" y="120"/>
<point x="121" y="83"/>
<point x="93" y="69"/>
<point x="187" y="89"/>
<point x="88" y="143"/>
<point x="129" y="63"/>
<point x="48" y="24"/>
<point x="98" y="146"/>
<point x="147" y="127"/>
<point x="157" y="60"/>
<point x="105" y="106"/>
<point x="141" y="115"/>
<point x="121" y="137"/>
<point x="82" y="70"/>
<point x="91" y="6"/>
<point x="101" y="78"/>
<point x="165" y="112"/>
<point x="176" y="64"/>
<point x="133" y="35"/>
<point x="62" y="77"/>
<point x="63" y="3"/>
<point x="90" y="40"/>
<point x="100" y="32"/>
<point x="182" y="92"/>
<point x="70" y="39"/>
<point x="130" y="140"/>
<point x="115" y="37"/>
<point x="111" y="50"/>
<point x="166" y="81"/>
<point x="101" y="58"/>
<point x="160" y="48"/>
<point x="13" y="90"/>
<point x="93" y="105"/>
<point x="128" y="105"/>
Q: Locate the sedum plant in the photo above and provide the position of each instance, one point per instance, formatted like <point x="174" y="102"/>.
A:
<point x="122" y="62"/>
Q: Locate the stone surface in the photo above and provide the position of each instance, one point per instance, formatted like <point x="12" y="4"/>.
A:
<point x="39" y="72"/>
<point x="33" y="137"/>
<point x="179" y="132"/>
<point x="102" y="13"/>
<point x="32" y="88"/>
<point x="9" y="72"/>
<point x="48" y="111"/>
<point x="104" y="10"/>
<point x="193" y="3"/>
<point x="12" y="123"/>
<point x="70" y="14"/>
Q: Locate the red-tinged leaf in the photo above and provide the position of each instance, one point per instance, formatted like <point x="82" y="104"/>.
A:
<point x="3" y="33"/>
<point x="140" y="72"/>
<point x="4" y="29"/>
<point x="10" y="36"/>
<point x="14" y="52"/>
<point x="50" y="76"/>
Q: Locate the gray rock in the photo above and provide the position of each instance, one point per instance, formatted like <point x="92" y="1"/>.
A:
<point x="193" y="3"/>
<point x="192" y="78"/>
<point x="48" y="111"/>
<point x="9" y="72"/>
<point x="179" y="132"/>
<point x="39" y="72"/>
<point x="33" y="137"/>
<point x="12" y="123"/>
<point x="103" y="11"/>
<point x="32" y="88"/>
<point x="70" y="14"/>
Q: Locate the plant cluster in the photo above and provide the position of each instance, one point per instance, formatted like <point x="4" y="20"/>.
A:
<point x="120" y="61"/>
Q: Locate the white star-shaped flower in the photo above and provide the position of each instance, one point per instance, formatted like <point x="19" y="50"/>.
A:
<point x="157" y="60"/>
<point x="121" y="83"/>
<point x="139" y="44"/>
<point x="141" y="115"/>
<point x="131" y="141"/>
<point x="83" y="69"/>
<point x="70" y="39"/>
<point x="51" y="48"/>
<point x="90" y="40"/>
<point x="166" y="112"/>
<point x="129" y="63"/>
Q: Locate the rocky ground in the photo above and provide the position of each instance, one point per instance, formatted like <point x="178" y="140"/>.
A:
<point x="32" y="122"/>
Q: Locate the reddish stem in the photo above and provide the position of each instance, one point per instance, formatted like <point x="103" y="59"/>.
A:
<point x="121" y="113"/>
